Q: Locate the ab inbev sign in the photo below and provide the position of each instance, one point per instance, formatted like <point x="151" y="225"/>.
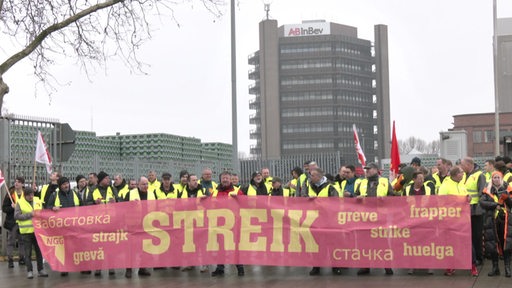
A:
<point x="307" y="29"/>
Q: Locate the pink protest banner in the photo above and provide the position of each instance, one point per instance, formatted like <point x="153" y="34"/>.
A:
<point x="397" y="232"/>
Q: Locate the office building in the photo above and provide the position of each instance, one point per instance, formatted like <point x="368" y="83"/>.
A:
<point x="312" y="82"/>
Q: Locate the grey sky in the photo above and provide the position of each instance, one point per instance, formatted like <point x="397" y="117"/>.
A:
<point x="440" y="65"/>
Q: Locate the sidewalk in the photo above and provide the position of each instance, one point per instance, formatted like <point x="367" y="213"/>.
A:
<point x="259" y="276"/>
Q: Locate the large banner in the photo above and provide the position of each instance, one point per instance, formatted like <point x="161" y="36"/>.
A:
<point x="396" y="232"/>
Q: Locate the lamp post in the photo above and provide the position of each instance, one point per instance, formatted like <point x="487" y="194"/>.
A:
<point x="496" y="88"/>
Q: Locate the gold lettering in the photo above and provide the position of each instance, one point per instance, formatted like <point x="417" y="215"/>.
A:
<point x="226" y="230"/>
<point x="277" y="244"/>
<point x="162" y="235"/>
<point x="298" y="230"/>
<point x="247" y="229"/>
<point x="188" y="217"/>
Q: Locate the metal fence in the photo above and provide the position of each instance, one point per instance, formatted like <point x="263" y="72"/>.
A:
<point x="329" y="162"/>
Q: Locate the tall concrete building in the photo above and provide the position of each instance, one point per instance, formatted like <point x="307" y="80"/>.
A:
<point x="312" y="82"/>
<point x="504" y="64"/>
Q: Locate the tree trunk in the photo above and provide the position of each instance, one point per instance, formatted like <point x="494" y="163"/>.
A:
<point x="4" y="89"/>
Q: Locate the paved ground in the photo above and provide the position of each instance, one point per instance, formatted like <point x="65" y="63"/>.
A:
<point x="257" y="276"/>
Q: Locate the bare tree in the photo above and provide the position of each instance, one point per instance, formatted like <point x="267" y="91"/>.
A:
<point x="89" y="31"/>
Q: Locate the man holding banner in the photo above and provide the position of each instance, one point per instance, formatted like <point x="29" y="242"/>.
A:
<point x="224" y="190"/>
<point x="319" y="186"/>
<point x="373" y="186"/>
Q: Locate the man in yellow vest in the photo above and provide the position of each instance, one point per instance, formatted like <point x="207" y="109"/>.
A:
<point x="223" y="191"/>
<point x="257" y="186"/>
<point x="235" y="180"/>
<point x="267" y="179"/>
<point x="121" y="186"/>
<point x="167" y="188"/>
<point x="104" y="193"/>
<point x="63" y="197"/>
<point x="277" y="188"/>
<point x="24" y="212"/>
<point x="141" y="193"/>
<point x="179" y="187"/>
<point x="152" y="181"/>
<point x="453" y="185"/>
<point x="373" y="186"/>
<point x="82" y="190"/>
<point x="193" y="189"/>
<point x="207" y="182"/>
<point x="319" y="186"/>
<point x="488" y="169"/>
<point x="475" y="184"/>
<point x="443" y="169"/>
<point x="13" y="231"/>
<point x="49" y="188"/>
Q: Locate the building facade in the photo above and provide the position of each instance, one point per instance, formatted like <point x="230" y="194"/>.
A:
<point x="504" y="64"/>
<point x="312" y="82"/>
<point x="480" y="133"/>
<point x="131" y="155"/>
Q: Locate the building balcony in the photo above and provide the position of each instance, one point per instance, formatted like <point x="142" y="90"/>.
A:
<point x="254" y="88"/>
<point x="254" y="104"/>
<point x="255" y="150"/>
<point x="255" y="134"/>
<point x="254" y="74"/>
<point x="254" y="58"/>
<point x="255" y="119"/>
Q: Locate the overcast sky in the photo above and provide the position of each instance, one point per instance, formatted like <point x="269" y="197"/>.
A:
<point x="440" y="65"/>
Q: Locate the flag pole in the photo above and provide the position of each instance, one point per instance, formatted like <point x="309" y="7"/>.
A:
<point x="34" y="174"/>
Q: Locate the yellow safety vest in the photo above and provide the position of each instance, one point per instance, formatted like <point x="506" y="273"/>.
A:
<point x="57" y="199"/>
<point x="508" y="177"/>
<point x="154" y="186"/>
<point x="200" y="193"/>
<point x="438" y="181"/>
<point x="123" y="191"/>
<point x="26" y="226"/>
<point x="251" y="191"/>
<point x="134" y="194"/>
<point x="450" y="187"/>
<point x="211" y="190"/>
<point x="323" y="193"/>
<point x="97" y="195"/>
<point x="408" y="189"/>
<point x="292" y="190"/>
<point x="472" y="187"/>
<point x="382" y="189"/>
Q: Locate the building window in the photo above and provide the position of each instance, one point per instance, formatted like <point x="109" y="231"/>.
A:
<point x="477" y="136"/>
<point x="489" y="136"/>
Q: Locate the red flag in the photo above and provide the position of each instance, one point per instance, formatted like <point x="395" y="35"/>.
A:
<point x="2" y="179"/>
<point x="395" y="153"/>
<point x="359" y="150"/>
<point x="42" y="154"/>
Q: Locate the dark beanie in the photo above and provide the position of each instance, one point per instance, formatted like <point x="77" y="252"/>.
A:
<point x="79" y="177"/>
<point x="101" y="176"/>
<point x="62" y="180"/>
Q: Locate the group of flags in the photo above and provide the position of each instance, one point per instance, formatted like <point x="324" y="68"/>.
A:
<point x="42" y="156"/>
<point x="395" y="152"/>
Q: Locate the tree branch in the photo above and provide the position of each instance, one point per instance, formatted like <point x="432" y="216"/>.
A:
<point x="51" y="29"/>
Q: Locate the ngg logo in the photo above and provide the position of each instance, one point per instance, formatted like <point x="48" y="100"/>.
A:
<point x="54" y="240"/>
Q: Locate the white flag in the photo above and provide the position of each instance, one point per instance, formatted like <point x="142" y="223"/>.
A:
<point x="42" y="154"/>
<point x="359" y="150"/>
